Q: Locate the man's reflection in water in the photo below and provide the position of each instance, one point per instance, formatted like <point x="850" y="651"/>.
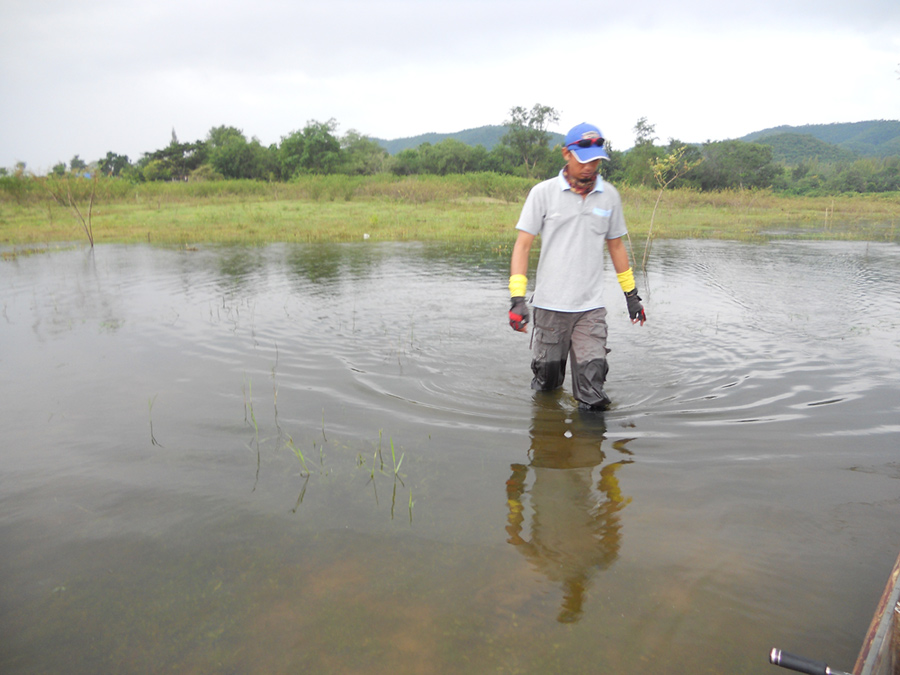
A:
<point x="575" y="528"/>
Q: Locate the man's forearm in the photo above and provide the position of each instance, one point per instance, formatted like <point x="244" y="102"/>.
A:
<point x="618" y="254"/>
<point x="521" y="249"/>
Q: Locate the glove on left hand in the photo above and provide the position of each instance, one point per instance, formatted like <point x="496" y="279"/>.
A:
<point x="518" y="314"/>
<point x="635" y="308"/>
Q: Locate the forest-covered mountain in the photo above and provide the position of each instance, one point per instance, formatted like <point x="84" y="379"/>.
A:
<point x="792" y="148"/>
<point x="488" y="136"/>
<point x="875" y="138"/>
<point x="790" y="144"/>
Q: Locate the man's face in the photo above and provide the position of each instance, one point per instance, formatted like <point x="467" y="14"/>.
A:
<point x="577" y="170"/>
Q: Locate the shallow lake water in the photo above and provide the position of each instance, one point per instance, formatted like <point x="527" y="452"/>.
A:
<point x="328" y="459"/>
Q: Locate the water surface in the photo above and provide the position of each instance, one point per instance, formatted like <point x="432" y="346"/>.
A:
<point x="201" y="448"/>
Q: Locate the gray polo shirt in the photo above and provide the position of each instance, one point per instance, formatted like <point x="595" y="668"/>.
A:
<point x="573" y="237"/>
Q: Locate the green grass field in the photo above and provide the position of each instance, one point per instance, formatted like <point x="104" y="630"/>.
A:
<point x="466" y="209"/>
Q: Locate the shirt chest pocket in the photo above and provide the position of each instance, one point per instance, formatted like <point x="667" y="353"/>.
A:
<point x="599" y="220"/>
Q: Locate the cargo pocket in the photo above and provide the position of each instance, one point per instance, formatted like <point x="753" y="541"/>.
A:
<point x="549" y="359"/>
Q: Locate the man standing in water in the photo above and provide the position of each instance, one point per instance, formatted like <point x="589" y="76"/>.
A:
<point x="576" y="213"/>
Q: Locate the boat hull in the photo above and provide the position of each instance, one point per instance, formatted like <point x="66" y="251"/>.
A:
<point x="880" y="653"/>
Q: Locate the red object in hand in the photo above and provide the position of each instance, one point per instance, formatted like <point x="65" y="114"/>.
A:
<point x="635" y="308"/>
<point x="518" y="314"/>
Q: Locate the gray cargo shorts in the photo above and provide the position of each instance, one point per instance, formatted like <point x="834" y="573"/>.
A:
<point x="579" y="336"/>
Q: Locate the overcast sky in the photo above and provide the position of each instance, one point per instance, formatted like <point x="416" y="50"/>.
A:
<point x="116" y="75"/>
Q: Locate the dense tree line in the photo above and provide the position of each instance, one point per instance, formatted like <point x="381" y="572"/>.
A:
<point x="227" y="153"/>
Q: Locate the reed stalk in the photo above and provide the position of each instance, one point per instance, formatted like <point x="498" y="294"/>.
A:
<point x="150" y="403"/>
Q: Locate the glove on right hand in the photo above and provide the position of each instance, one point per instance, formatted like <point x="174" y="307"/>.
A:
<point x="518" y="314"/>
<point x="635" y="308"/>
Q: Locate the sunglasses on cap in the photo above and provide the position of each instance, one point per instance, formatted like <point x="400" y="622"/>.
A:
<point x="588" y="142"/>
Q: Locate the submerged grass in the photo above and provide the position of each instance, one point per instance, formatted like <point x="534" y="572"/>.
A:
<point x="150" y="403"/>
<point x="337" y="448"/>
<point x="470" y="208"/>
<point x="298" y="453"/>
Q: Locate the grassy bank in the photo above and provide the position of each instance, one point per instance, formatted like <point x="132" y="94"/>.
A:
<point x="467" y="208"/>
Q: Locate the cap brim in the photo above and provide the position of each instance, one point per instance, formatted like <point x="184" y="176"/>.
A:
<point x="585" y="155"/>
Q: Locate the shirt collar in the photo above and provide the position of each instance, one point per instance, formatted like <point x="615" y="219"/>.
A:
<point x="564" y="184"/>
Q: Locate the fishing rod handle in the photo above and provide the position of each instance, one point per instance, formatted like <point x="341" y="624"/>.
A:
<point x="801" y="664"/>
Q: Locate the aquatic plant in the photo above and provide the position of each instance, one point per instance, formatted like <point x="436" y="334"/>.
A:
<point x="378" y="453"/>
<point x="300" y="496"/>
<point x="248" y="406"/>
<point x="150" y="403"/>
<point x="389" y="467"/>
<point x="394" y="459"/>
<point x="248" y="409"/>
<point x="298" y="453"/>
<point x="275" y="389"/>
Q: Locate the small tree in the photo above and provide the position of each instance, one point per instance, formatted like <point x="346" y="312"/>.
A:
<point x="113" y="164"/>
<point x="362" y="155"/>
<point x="315" y="149"/>
<point x="233" y="159"/>
<point x="290" y="154"/>
<point x="737" y="164"/>
<point x="639" y="159"/>
<point x="321" y="149"/>
<point x="55" y="186"/>
<point x="448" y="156"/>
<point x="219" y="136"/>
<point x="156" y="169"/>
<point x="644" y="132"/>
<point x="528" y="135"/>
<point x="174" y="162"/>
<point x="665" y="171"/>
<point x="408" y="162"/>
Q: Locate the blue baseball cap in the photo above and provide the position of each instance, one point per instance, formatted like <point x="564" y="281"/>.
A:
<point x="586" y="142"/>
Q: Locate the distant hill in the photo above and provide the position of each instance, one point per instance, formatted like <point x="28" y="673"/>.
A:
<point x="791" y="148"/>
<point x="828" y="142"/>
<point x="488" y="136"/>
<point x="876" y="138"/>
